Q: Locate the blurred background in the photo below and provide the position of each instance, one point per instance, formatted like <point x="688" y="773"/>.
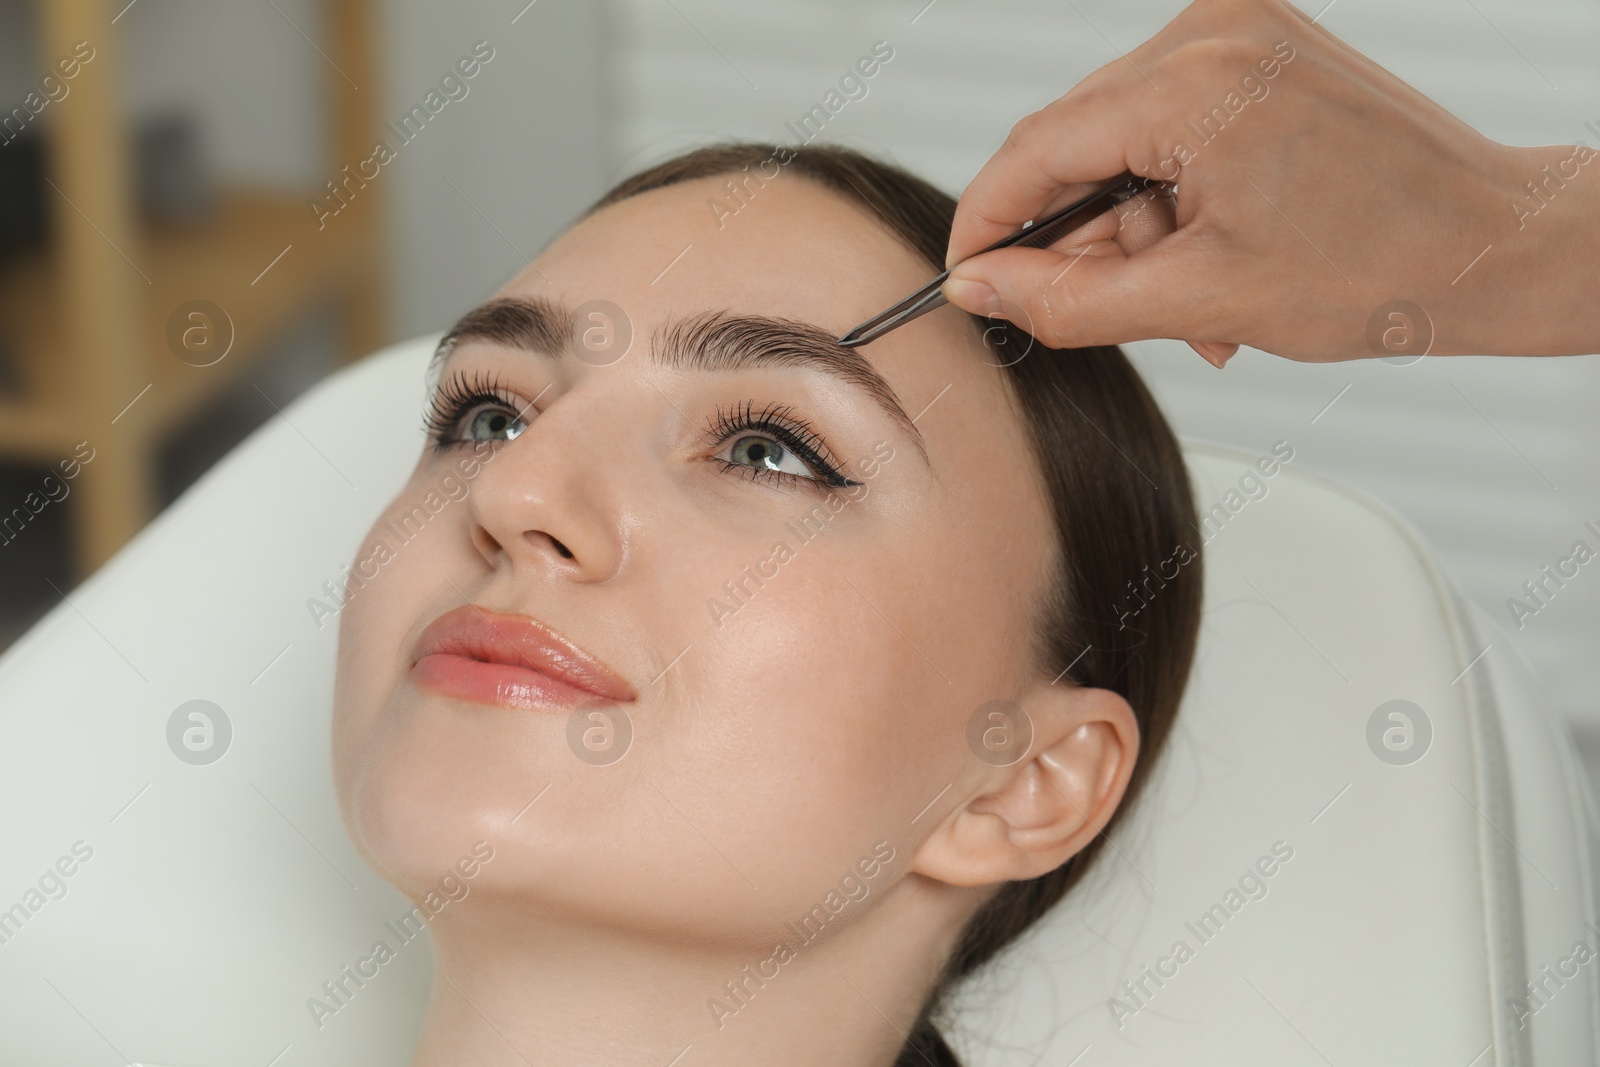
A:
<point x="166" y="285"/>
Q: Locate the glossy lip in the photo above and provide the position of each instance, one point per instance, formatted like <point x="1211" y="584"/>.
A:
<point x="487" y="657"/>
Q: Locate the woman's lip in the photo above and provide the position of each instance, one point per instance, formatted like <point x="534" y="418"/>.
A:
<point x="493" y="658"/>
<point x="501" y="684"/>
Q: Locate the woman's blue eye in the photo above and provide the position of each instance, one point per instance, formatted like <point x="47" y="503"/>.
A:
<point x="468" y="408"/>
<point x="764" y="452"/>
<point x="774" y="444"/>
<point x="494" y="423"/>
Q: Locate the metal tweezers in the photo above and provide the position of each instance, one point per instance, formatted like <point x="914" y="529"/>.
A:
<point x="1034" y="235"/>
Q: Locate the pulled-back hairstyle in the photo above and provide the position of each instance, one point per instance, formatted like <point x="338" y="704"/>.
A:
<point x="1124" y="608"/>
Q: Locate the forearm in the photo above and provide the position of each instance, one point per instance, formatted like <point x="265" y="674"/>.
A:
<point x="1540" y="293"/>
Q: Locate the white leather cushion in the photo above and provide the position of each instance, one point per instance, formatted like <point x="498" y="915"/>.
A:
<point x="218" y="898"/>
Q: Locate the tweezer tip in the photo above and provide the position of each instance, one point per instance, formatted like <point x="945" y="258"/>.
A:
<point x="851" y="340"/>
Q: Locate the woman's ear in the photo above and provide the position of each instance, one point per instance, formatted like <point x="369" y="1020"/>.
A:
<point x="1022" y="820"/>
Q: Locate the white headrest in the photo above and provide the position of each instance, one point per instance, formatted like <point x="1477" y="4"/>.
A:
<point x="1297" y="887"/>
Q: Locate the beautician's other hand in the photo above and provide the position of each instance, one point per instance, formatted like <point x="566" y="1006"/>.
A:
<point x="1321" y="203"/>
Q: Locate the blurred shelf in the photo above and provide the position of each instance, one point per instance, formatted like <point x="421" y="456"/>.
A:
<point x="88" y="316"/>
<point x="228" y="261"/>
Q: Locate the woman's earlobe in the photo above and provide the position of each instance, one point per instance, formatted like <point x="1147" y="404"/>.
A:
<point x="1027" y="819"/>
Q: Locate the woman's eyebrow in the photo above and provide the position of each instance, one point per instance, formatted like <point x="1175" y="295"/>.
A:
<point x="708" y="341"/>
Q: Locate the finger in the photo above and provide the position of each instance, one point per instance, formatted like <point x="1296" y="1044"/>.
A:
<point x="1145" y="219"/>
<point x="1077" y="299"/>
<point x="1214" y="352"/>
<point x="1080" y="138"/>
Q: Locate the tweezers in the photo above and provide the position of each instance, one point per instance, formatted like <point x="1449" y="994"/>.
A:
<point x="1037" y="234"/>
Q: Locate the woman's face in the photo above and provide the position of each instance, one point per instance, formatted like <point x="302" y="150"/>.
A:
<point x="803" y="658"/>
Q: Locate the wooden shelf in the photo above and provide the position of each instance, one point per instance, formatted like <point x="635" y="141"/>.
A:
<point x="88" y="316"/>
<point x="227" y="261"/>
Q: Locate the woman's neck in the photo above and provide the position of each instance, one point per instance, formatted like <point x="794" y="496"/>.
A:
<point x="510" y="992"/>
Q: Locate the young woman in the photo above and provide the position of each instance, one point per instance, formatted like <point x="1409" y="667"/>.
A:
<point x="757" y="688"/>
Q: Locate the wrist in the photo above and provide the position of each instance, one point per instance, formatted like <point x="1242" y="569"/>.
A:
<point x="1538" y="293"/>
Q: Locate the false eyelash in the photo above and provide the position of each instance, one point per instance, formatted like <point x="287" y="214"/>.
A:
<point x="780" y="422"/>
<point x="457" y="395"/>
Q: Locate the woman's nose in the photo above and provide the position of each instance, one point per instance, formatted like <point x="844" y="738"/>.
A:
<point x="550" y="500"/>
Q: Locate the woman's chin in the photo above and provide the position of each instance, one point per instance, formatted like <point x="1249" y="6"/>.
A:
<point x="417" y="805"/>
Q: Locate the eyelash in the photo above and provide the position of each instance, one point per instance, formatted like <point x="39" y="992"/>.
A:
<point x="459" y="394"/>
<point x="779" y="421"/>
<point x="454" y="398"/>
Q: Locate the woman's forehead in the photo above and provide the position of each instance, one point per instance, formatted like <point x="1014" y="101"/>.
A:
<point x="793" y="248"/>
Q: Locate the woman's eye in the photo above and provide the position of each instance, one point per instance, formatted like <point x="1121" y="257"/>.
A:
<point x="764" y="452"/>
<point x="493" y="423"/>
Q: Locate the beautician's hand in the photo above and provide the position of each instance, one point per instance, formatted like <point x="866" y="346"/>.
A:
<point x="1325" y="209"/>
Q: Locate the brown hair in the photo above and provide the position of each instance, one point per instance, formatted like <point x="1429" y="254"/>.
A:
<point x="1118" y="492"/>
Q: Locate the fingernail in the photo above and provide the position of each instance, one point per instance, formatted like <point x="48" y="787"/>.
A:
<point x="976" y="297"/>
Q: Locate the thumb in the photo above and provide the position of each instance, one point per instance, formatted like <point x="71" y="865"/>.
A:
<point x="1073" y="299"/>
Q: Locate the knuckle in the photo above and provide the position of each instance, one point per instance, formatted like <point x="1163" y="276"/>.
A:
<point x="1229" y="12"/>
<point x="1025" y="132"/>
<point x="1208" y="67"/>
<point x="1214" y="55"/>
<point x="1055" y="311"/>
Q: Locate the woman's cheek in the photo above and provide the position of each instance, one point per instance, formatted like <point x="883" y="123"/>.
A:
<point x="817" y="650"/>
<point x="390" y="585"/>
<point x="794" y="719"/>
